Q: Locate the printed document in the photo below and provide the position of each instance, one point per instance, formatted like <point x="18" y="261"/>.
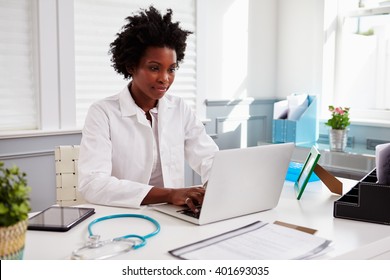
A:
<point x="257" y="241"/>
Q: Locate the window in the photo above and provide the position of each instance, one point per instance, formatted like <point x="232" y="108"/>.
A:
<point x="96" y="23"/>
<point x="54" y="59"/>
<point x="362" y="72"/>
<point x="18" y="86"/>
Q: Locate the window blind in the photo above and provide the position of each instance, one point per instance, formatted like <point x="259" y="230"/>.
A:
<point x="18" y="106"/>
<point x="96" y="24"/>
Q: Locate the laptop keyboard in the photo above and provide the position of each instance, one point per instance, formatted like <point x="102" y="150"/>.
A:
<point x="189" y="212"/>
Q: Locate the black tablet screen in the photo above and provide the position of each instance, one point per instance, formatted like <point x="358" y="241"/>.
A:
<point x="58" y="218"/>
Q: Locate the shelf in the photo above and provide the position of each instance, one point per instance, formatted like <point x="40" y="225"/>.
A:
<point x="354" y="163"/>
<point x="374" y="11"/>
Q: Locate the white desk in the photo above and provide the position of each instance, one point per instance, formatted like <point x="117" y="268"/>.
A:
<point x="314" y="210"/>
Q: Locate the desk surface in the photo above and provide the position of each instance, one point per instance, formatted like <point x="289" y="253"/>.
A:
<point x="314" y="210"/>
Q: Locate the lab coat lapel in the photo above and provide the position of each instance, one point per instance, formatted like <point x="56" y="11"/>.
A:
<point x="164" y="109"/>
<point x="129" y="108"/>
<point x="165" y="126"/>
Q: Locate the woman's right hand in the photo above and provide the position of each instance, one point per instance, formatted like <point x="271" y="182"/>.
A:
<point x="192" y="197"/>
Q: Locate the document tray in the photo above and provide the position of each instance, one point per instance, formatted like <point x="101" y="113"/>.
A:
<point x="367" y="201"/>
<point x="305" y="130"/>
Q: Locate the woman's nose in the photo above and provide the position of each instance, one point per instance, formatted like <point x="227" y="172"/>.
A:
<point x="163" y="77"/>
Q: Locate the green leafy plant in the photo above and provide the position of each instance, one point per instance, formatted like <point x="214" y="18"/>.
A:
<point x="340" y="117"/>
<point x="14" y="196"/>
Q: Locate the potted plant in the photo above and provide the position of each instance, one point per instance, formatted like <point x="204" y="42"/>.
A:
<point x="338" y="123"/>
<point x="14" y="209"/>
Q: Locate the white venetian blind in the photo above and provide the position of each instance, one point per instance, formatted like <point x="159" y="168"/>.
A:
<point x="18" y="109"/>
<point x="96" y="24"/>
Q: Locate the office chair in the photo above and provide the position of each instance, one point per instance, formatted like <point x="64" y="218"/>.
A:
<point x="66" y="159"/>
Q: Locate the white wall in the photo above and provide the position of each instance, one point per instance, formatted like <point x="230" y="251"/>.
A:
<point x="300" y="44"/>
<point x="237" y="48"/>
<point x="259" y="48"/>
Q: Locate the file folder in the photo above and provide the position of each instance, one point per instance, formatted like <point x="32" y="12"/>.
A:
<point x="305" y="130"/>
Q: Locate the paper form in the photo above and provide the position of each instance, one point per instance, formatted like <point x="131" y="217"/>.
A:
<point x="256" y="241"/>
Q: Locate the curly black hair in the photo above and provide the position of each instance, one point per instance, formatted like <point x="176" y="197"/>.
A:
<point x="149" y="28"/>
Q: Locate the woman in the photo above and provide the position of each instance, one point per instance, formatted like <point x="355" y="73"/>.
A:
<point x="135" y="143"/>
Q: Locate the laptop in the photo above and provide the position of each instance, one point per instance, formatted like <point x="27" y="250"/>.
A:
<point x="242" y="181"/>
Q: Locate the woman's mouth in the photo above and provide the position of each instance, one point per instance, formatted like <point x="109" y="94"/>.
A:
<point x="161" y="89"/>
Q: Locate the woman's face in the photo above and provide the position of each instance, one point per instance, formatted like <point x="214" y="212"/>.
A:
<point x="153" y="76"/>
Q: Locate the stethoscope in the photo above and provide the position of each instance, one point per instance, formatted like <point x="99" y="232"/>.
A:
<point x="96" y="249"/>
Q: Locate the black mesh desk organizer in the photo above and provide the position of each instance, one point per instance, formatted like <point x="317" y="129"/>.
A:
<point x="367" y="201"/>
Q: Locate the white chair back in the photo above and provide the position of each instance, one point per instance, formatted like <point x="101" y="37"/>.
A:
<point x="66" y="161"/>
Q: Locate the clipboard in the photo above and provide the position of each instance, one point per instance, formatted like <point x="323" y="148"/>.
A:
<point x="259" y="240"/>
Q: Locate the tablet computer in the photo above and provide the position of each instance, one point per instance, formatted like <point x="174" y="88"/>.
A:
<point x="59" y="218"/>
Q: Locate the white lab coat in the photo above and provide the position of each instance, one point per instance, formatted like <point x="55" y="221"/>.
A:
<point x="116" y="150"/>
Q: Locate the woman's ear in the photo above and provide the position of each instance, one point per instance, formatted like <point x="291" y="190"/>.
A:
<point x="130" y="70"/>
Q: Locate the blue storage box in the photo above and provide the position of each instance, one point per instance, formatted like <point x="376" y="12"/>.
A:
<point x="305" y="130"/>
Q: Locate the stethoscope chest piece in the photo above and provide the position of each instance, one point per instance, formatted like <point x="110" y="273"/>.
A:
<point x="95" y="249"/>
<point x="98" y="250"/>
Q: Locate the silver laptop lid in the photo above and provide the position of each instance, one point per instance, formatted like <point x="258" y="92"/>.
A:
<point x="244" y="181"/>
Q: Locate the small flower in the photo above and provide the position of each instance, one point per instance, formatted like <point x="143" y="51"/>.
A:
<point x="340" y="117"/>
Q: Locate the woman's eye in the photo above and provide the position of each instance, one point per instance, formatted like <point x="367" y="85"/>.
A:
<point x="154" y="68"/>
<point x="172" y="70"/>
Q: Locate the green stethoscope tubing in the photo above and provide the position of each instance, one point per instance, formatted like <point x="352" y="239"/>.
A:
<point x="140" y="237"/>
